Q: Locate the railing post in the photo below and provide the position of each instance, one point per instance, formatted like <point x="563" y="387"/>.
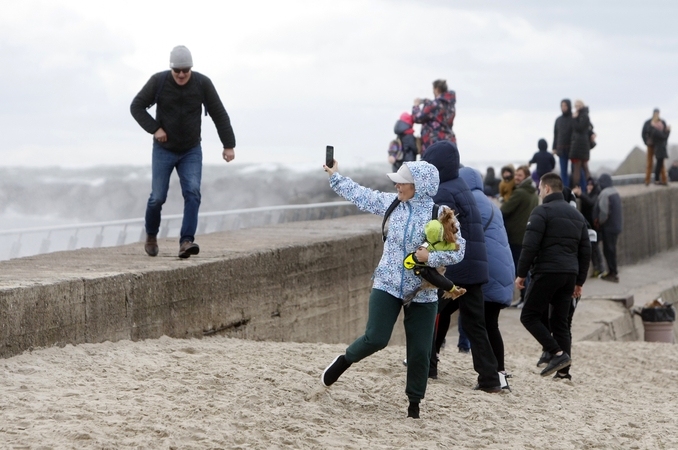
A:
<point x="99" y="238"/>
<point x="44" y="247"/>
<point x="73" y="240"/>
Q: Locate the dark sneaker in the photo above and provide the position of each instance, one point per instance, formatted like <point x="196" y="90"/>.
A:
<point x="151" y="245"/>
<point x="489" y="390"/>
<point x="464" y="350"/>
<point x="609" y="277"/>
<point x="188" y="248"/>
<point x="562" y="376"/>
<point x="334" y="370"/>
<point x="544" y="360"/>
<point x="557" y="362"/>
<point x="413" y="410"/>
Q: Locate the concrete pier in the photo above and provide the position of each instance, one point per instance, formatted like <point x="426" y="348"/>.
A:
<point x="302" y="282"/>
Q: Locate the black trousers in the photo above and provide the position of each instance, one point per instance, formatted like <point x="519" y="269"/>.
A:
<point x="471" y="308"/>
<point x="610" y="250"/>
<point x="494" y="335"/>
<point x="554" y="290"/>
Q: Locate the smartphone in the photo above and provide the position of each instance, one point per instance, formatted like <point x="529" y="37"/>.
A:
<point x="329" y="156"/>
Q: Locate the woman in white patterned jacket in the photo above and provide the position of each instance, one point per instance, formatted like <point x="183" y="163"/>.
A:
<point x="416" y="182"/>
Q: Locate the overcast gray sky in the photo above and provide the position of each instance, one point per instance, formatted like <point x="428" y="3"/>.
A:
<point x="298" y="75"/>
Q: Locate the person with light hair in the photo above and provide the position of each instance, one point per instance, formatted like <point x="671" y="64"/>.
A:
<point x="655" y="135"/>
<point x="580" y="145"/>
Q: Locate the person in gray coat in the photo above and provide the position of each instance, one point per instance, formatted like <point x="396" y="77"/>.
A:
<point x="608" y="221"/>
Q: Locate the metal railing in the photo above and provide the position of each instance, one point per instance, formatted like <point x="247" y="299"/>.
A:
<point x="38" y="240"/>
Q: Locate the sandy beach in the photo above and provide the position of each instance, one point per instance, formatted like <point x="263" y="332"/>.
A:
<point x="227" y="393"/>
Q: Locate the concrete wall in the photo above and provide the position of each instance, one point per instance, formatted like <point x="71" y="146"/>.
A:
<point x="304" y="282"/>
<point x="650" y="221"/>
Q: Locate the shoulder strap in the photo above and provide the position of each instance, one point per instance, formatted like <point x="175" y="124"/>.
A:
<point x="489" y="221"/>
<point x="388" y="212"/>
<point x="434" y="212"/>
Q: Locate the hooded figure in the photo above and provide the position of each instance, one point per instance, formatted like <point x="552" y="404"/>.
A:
<point x="580" y="146"/>
<point x="416" y="183"/>
<point x="562" y="139"/>
<point x="507" y="183"/>
<point x="498" y="291"/>
<point x="469" y="274"/>
<point x="607" y="219"/>
<point x="408" y="143"/>
<point x="499" y="288"/>
<point x="543" y="159"/>
<point x="562" y="131"/>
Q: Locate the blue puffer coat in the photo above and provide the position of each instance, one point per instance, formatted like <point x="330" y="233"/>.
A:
<point x="405" y="231"/>
<point x="502" y="273"/>
<point x="455" y="193"/>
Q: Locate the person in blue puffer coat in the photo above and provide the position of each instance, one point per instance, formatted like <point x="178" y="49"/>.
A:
<point x="471" y="273"/>
<point x="416" y="182"/>
<point x="498" y="291"/>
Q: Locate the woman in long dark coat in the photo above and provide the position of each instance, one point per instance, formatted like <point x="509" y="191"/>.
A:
<point x="580" y="146"/>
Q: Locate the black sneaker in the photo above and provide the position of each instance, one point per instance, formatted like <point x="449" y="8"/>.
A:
<point x="464" y="350"/>
<point x="544" y="360"/>
<point x="489" y="390"/>
<point x="609" y="277"/>
<point x="413" y="410"/>
<point x="334" y="370"/>
<point x="557" y="362"/>
<point x="562" y="376"/>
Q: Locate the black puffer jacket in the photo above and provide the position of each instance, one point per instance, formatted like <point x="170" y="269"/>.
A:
<point x="179" y="109"/>
<point x="580" y="147"/>
<point x="556" y="240"/>
<point x="455" y="193"/>
<point x="656" y="139"/>
<point x="562" y="131"/>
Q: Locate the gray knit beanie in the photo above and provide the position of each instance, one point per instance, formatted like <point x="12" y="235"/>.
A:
<point x="180" y="58"/>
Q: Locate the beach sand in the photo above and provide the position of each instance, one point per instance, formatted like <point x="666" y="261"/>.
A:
<point x="220" y="392"/>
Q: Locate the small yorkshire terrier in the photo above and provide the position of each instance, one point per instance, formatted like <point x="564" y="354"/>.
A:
<point x="441" y="234"/>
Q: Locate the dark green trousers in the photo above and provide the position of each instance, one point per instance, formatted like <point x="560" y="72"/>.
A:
<point x="419" y="326"/>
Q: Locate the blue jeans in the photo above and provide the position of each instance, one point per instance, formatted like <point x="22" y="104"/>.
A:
<point x="564" y="164"/>
<point x="189" y="169"/>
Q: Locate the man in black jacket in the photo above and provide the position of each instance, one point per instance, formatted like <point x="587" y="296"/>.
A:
<point x="556" y="249"/>
<point x="562" y="136"/>
<point x="179" y="95"/>
<point x="471" y="273"/>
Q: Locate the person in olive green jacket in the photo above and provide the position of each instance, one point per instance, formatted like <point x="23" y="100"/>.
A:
<point x="516" y="211"/>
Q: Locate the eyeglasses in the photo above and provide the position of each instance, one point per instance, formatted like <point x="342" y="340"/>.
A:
<point x="182" y="70"/>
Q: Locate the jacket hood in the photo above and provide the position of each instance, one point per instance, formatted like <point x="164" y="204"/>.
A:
<point x="472" y="177"/>
<point x="528" y="185"/>
<point x="605" y="181"/>
<point x="447" y="97"/>
<point x="426" y="179"/>
<point x="542" y="145"/>
<point x="569" y="106"/>
<point x="445" y="157"/>
<point x="584" y="110"/>
<point x="508" y="167"/>
<point x="402" y="127"/>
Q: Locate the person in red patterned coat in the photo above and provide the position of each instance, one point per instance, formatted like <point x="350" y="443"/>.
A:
<point x="435" y="116"/>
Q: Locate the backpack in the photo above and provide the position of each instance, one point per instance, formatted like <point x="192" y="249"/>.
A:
<point x="161" y="84"/>
<point x="395" y="150"/>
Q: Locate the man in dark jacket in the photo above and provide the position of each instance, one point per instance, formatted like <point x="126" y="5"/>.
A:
<point x="607" y="219"/>
<point x="562" y="136"/>
<point x="516" y="211"/>
<point x="556" y="250"/>
<point x="472" y="272"/>
<point x="655" y="135"/>
<point x="179" y="95"/>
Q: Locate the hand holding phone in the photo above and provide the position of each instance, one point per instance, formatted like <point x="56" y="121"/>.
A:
<point x="329" y="156"/>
